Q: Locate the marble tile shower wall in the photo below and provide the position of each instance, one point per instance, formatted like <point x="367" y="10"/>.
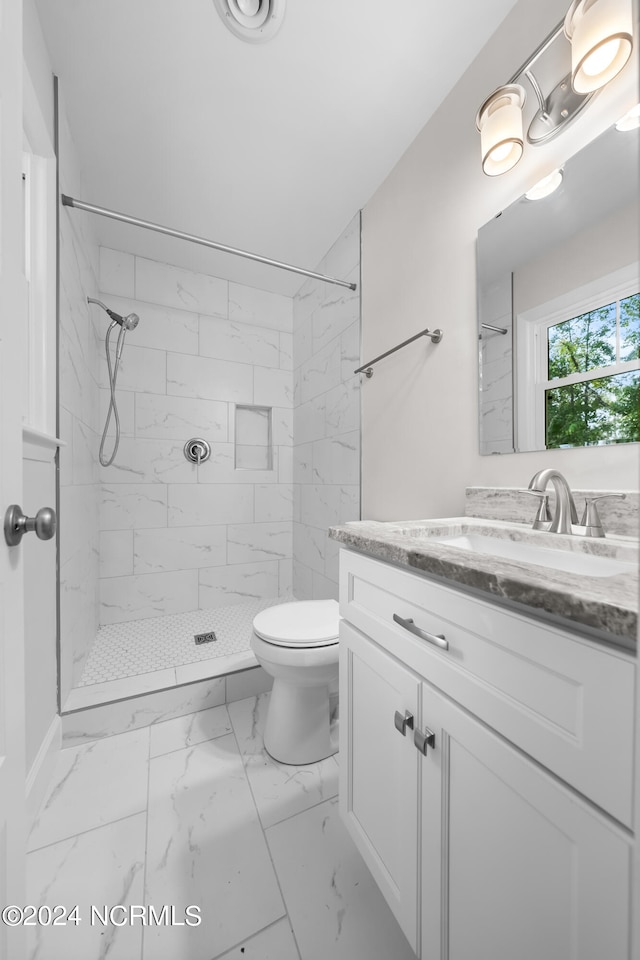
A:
<point x="78" y="426"/>
<point x="496" y="397"/>
<point x="175" y="536"/>
<point x="326" y="453"/>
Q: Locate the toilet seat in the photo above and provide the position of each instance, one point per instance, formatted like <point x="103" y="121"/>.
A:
<point x="301" y="623"/>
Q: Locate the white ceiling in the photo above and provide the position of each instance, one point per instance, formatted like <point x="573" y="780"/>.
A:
<point x="269" y="147"/>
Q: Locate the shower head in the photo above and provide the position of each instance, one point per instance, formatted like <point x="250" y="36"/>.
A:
<point x="130" y="322"/>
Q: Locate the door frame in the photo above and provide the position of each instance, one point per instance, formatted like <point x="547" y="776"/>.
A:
<point x="13" y="313"/>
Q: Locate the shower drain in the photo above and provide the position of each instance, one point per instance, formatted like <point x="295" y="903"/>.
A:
<point x="252" y="20"/>
<point x="208" y="637"/>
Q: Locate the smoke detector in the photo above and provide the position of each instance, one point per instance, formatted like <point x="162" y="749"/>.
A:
<point x="252" y="20"/>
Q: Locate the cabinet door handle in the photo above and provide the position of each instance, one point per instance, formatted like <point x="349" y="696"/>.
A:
<point x="437" y="639"/>
<point x="424" y="740"/>
<point x="403" y="722"/>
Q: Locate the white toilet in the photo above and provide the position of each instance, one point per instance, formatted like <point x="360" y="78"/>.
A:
<point x="297" y="644"/>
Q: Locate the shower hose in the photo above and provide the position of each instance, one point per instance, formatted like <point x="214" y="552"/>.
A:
<point x="113" y="408"/>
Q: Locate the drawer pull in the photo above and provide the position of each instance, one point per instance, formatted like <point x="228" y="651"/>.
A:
<point x="403" y="722"/>
<point x="424" y="740"/>
<point x="437" y="639"/>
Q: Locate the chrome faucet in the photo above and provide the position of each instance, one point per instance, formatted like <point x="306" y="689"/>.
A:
<point x="565" y="512"/>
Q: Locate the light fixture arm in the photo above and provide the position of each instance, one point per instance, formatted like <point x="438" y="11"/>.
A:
<point x="542" y="48"/>
<point x="542" y="103"/>
<point x="525" y="70"/>
<point x="560" y="105"/>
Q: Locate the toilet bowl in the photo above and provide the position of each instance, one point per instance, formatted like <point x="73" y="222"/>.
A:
<point x="297" y="644"/>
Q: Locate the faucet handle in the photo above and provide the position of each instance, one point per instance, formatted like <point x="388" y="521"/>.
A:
<point x="543" y="516"/>
<point x="591" y="518"/>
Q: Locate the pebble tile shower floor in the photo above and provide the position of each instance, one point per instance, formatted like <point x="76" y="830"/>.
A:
<point x="143" y="646"/>
<point x="193" y="811"/>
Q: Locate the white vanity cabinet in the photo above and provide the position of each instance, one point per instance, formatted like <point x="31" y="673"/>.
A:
<point x="491" y="845"/>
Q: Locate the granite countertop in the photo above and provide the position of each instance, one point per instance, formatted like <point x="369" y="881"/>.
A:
<point x="606" y="605"/>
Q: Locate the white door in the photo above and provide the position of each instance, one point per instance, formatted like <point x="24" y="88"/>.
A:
<point x="514" y="864"/>
<point x="12" y="328"/>
<point x="379" y="768"/>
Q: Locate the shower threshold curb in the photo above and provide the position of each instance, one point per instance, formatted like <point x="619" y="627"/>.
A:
<point x="155" y="706"/>
<point x="159" y="681"/>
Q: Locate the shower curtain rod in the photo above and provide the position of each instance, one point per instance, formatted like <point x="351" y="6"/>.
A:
<point x="169" y="232"/>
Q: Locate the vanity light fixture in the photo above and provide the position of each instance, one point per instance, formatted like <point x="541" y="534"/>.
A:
<point x="499" y="121"/>
<point x="545" y="187"/>
<point x="630" y="121"/>
<point x="600" y="35"/>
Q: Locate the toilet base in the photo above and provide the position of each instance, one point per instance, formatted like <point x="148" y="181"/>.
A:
<point x="297" y="730"/>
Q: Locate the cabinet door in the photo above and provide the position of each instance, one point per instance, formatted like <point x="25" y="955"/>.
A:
<point x="379" y="769"/>
<point x="514" y="864"/>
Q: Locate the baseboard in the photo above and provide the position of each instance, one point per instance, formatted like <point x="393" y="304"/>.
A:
<point x="39" y="775"/>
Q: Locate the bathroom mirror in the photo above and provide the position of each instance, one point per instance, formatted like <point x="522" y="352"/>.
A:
<point x="559" y="308"/>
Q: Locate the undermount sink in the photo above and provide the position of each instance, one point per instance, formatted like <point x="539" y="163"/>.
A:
<point x="570" y="561"/>
<point x="579" y="555"/>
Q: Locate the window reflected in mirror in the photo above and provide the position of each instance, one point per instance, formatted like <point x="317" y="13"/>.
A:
<point x="587" y="408"/>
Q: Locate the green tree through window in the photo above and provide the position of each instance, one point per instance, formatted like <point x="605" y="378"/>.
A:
<point x="604" y="410"/>
<point x="601" y="409"/>
<point x="583" y="343"/>
<point x="630" y="328"/>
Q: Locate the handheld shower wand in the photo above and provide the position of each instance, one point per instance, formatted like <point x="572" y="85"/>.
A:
<point x="130" y="322"/>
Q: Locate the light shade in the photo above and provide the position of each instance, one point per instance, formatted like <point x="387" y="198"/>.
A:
<point x="631" y="119"/>
<point x="545" y="187"/>
<point x="601" y="35"/>
<point x="499" y="121"/>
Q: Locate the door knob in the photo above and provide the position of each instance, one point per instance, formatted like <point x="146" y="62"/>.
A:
<point x="16" y="524"/>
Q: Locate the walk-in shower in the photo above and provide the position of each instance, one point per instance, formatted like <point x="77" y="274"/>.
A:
<point x="130" y="322"/>
<point x="165" y="557"/>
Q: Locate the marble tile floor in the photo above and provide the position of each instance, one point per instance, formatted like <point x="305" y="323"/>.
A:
<point x="193" y="812"/>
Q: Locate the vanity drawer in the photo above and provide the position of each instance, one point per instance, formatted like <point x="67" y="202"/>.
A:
<point x="566" y="701"/>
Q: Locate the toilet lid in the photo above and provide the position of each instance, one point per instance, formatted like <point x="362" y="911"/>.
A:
<point x="303" y="623"/>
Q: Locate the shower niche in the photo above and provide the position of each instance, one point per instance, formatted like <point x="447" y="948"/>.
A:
<point x="253" y="438"/>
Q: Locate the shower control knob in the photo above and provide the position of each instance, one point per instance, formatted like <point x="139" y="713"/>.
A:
<point x="197" y="450"/>
<point x="16" y="524"/>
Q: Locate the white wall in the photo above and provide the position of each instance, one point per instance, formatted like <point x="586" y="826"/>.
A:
<point x="37" y="63"/>
<point x="580" y="261"/>
<point x="420" y="416"/>
<point x="175" y="536"/>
